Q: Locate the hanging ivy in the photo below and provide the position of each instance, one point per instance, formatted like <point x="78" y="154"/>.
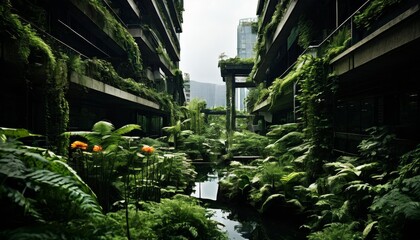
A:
<point x="267" y="32"/>
<point x="316" y="101"/>
<point x="316" y="87"/>
<point x="256" y="96"/>
<point x="306" y="32"/>
<point x="56" y="82"/>
<point x="57" y="108"/>
<point x="133" y="67"/>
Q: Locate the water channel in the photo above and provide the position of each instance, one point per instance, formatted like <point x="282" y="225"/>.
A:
<point x="239" y="221"/>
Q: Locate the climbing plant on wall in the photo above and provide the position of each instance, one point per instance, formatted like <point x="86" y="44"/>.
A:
<point x="55" y="72"/>
<point x="315" y="99"/>
<point x="133" y="66"/>
<point x="267" y="32"/>
<point x="373" y="11"/>
<point x="57" y="117"/>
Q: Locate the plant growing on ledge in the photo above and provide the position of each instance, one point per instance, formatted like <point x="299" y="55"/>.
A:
<point x="374" y="11"/>
<point x="223" y="61"/>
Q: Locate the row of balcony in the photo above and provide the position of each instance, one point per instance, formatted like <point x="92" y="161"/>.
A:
<point x="270" y="57"/>
<point x="383" y="37"/>
<point x="159" y="49"/>
<point x="376" y="63"/>
<point x="128" y="42"/>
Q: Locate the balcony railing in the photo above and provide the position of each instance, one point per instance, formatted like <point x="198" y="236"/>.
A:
<point x="172" y="44"/>
<point x="356" y="33"/>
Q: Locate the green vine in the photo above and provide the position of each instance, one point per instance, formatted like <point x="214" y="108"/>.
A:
<point x="315" y="98"/>
<point x="57" y="117"/>
<point x="133" y="67"/>
<point x="306" y="32"/>
<point x="104" y="71"/>
<point x="267" y="32"/>
<point x="316" y="89"/>
<point x="167" y="23"/>
<point x="29" y="43"/>
<point x="179" y="6"/>
<point x="256" y="96"/>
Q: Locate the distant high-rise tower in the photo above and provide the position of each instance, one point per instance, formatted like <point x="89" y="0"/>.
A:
<point x="246" y="39"/>
<point x="187" y="87"/>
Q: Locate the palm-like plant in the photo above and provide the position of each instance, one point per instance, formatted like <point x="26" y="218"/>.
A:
<point x="175" y="132"/>
<point x="98" y="168"/>
<point x="104" y="134"/>
<point x="115" y="147"/>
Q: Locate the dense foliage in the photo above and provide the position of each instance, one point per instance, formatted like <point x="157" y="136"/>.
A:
<point x="372" y="195"/>
<point x="108" y="188"/>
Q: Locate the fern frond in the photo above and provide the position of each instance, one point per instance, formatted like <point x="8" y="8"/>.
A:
<point x="359" y="186"/>
<point x="32" y="233"/>
<point x="12" y="167"/>
<point x="409" y="209"/>
<point x="346" y="167"/>
<point x="369" y="228"/>
<point x="12" y="150"/>
<point x="83" y="200"/>
<point x="342" y="212"/>
<point x="76" y="133"/>
<point x="292" y="176"/>
<point x="66" y="170"/>
<point x="18" y="198"/>
<point x="367" y="166"/>
<point x="413" y="185"/>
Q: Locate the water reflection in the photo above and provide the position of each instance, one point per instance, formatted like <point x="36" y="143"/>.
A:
<point x="239" y="221"/>
<point x="229" y="217"/>
<point x="206" y="188"/>
<point x="235" y="229"/>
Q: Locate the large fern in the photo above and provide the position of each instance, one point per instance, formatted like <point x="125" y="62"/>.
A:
<point x="40" y="190"/>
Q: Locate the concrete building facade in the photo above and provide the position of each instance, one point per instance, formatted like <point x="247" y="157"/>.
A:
<point x="115" y="58"/>
<point x="375" y="72"/>
<point x="213" y="94"/>
<point x="246" y="39"/>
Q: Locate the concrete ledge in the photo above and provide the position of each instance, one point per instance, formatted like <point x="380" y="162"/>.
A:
<point x="396" y="33"/>
<point x="91" y="13"/>
<point x="110" y="90"/>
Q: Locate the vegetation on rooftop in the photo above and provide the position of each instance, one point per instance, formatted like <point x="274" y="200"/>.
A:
<point x="223" y="62"/>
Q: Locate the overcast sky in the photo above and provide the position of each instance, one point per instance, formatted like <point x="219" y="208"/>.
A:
<point x="209" y="29"/>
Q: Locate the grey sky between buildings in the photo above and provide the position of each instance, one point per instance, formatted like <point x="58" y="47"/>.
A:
<point x="209" y="29"/>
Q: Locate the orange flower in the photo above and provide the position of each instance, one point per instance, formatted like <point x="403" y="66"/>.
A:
<point x="79" y="144"/>
<point x="97" y="148"/>
<point x="147" y="149"/>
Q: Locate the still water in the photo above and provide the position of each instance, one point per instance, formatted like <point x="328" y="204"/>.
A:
<point x="239" y="221"/>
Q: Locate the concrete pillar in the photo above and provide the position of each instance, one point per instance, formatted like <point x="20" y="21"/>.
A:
<point x="230" y="109"/>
